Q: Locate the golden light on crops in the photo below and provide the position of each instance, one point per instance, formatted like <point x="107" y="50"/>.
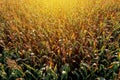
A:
<point x="53" y="6"/>
<point x="59" y="5"/>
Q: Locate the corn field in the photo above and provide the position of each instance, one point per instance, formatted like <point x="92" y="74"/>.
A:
<point x="59" y="39"/>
